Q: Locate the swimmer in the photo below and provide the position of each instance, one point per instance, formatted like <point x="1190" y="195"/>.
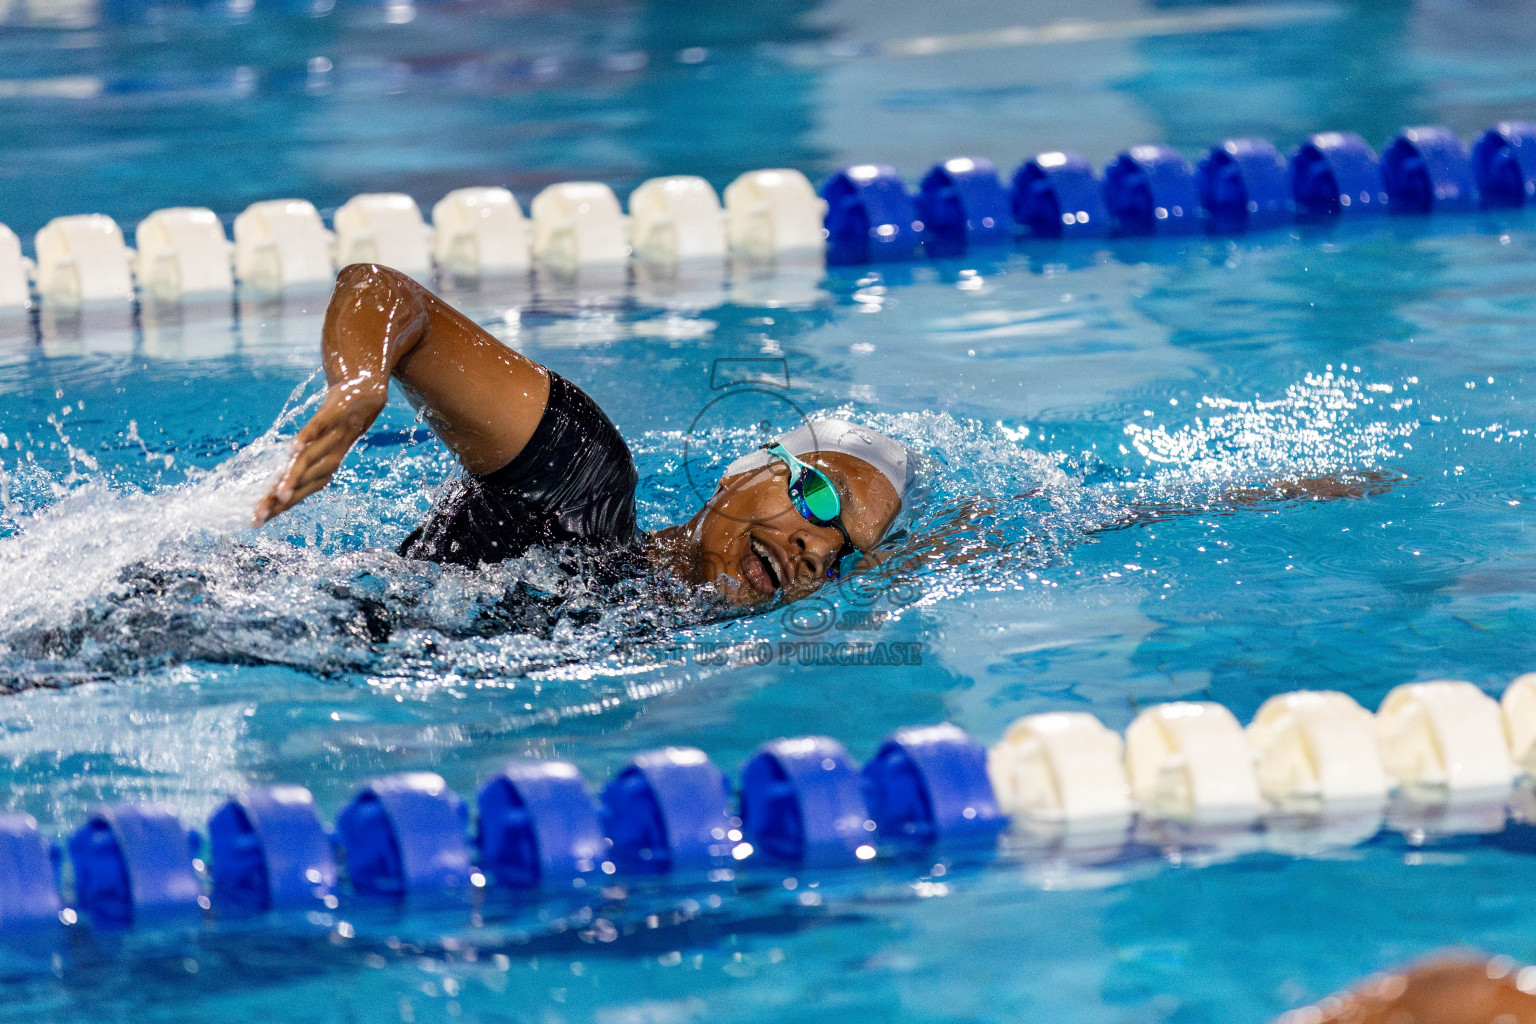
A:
<point x="1454" y="988"/>
<point x="543" y="465"/>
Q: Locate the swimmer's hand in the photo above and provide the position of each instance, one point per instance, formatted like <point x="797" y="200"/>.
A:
<point x="1453" y="988"/>
<point x="348" y="411"/>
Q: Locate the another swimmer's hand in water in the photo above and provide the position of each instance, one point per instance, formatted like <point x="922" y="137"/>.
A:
<point x="1450" y="989"/>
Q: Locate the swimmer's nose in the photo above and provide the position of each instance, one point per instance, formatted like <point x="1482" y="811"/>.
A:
<point x="813" y="556"/>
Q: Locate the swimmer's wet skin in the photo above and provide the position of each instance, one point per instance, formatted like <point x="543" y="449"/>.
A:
<point x="1455" y="988"/>
<point x="544" y="465"/>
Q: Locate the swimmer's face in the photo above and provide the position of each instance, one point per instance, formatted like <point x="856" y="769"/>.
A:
<point x="754" y="544"/>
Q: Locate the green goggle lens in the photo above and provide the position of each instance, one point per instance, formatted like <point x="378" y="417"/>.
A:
<point x="812" y="493"/>
<point x="810" y="490"/>
<point x="820" y="496"/>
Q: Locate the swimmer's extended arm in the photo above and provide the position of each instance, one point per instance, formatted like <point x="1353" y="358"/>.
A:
<point x="1324" y="487"/>
<point x="963" y="534"/>
<point x="483" y="399"/>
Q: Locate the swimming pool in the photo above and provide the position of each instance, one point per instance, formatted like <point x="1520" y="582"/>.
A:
<point x="1083" y="378"/>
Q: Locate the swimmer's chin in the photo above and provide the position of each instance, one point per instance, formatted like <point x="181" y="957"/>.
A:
<point x="739" y="594"/>
<point x="672" y="550"/>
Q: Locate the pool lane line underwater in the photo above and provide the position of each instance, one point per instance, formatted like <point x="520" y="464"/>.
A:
<point x="863" y="214"/>
<point x="1313" y="771"/>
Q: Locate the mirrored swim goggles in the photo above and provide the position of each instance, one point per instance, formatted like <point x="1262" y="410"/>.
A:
<point x="816" y="499"/>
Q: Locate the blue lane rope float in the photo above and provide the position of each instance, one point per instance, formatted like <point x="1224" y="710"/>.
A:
<point x="801" y="803"/>
<point x="133" y="865"/>
<point x="538" y="826"/>
<point x="29" y="891"/>
<point x="870" y="216"/>
<point x="1243" y="187"/>
<point x="929" y="785"/>
<point x="1058" y="195"/>
<point x="270" y="851"/>
<point x="404" y="835"/>
<point x="1150" y="190"/>
<point x="667" y="810"/>
<point x="962" y="205"/>
<point x="1336" y="174"/>
<point x="1427" y="170"/>
<point x="1505" y="163"/>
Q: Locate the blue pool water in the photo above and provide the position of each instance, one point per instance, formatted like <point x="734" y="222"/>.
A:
<point x="154" y="648"/>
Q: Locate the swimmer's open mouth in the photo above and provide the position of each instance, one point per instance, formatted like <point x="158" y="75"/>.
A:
<point x="761" y="568"/>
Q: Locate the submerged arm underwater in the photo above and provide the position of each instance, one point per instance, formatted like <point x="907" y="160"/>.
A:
<point x="965" y="532"/>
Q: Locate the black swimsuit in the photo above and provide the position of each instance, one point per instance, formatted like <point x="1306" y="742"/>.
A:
<point x="574" y="482"/>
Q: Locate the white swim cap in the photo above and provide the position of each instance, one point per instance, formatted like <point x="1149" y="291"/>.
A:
<point x="886" y="454"/>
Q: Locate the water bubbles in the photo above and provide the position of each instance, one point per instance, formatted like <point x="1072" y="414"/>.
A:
<point x="1313" y="428"/>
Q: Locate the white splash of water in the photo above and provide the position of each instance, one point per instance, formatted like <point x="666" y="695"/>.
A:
<point x="109" y="581"/>
<point x="1316" y="427"/>
<point x="74" y="550"/>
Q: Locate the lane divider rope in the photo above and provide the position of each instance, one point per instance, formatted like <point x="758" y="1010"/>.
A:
<point x="800" y="802"/>
<point x="861" y="214"/>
